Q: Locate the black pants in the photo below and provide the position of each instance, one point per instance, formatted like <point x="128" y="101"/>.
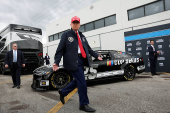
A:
<point x="15" y="73"/>
<point x="153" y="65"/>
<point x="79" y="82"/>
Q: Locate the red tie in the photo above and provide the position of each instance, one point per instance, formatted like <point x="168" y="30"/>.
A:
<point x="81" y="46"/>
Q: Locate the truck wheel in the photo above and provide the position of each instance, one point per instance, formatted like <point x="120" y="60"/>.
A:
<point x="129" y="73"/>
<point x="60" y="79"/>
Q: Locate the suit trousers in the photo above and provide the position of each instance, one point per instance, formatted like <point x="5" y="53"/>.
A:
<point x="15" y="73"/>
<point x="153" y="65"/>
<point x="79" y="82"/>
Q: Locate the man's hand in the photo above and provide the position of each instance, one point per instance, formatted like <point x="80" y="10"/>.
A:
<point x="55" y="67"/>
<point x="158" y="52"/>
<point x="6" y="66"/>
<point x="100" y="58"/>
<point x="23" y="65"/>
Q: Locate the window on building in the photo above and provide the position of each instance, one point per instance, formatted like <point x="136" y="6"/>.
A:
<point x="60" y="34"/>
<point x="51" y="38"/>
<point x="81" y="28"/>
<point x="110" y="20"/>
<point x="136" y="13"/>
<point x="167" y="4"/>
<point x="153" y="8"/>
<point x="89" y="26"/>
<point x="56" y="37"/>
<point x="99" y="23"/>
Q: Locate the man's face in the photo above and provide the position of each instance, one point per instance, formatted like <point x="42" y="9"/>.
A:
<point x="75" y="25"/>
<point x="46" y="54"/>
<point x="14" y="46"/>
<point x="152" y="42"/>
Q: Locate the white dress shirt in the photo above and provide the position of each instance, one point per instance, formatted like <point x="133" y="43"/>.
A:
<point x="153" y="47"/>
<point x="13" y="54"/>
<point x="78" y="44"/>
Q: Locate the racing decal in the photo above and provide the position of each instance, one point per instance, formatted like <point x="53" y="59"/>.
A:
<point x="119" y="62"/>
<point x="70" y="39"/>
<point x="109" y="63"/>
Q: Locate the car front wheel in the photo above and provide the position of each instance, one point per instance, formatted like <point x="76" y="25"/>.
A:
<point x="60" y="79"/>
<point x="129" y="73"/>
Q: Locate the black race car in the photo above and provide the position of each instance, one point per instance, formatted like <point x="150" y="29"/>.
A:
<point x="114" y="64"/>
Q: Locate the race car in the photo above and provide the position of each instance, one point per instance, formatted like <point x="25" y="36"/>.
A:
<point x="114" y="64"/>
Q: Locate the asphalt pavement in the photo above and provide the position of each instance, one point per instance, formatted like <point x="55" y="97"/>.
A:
<point x="145" y="94"/>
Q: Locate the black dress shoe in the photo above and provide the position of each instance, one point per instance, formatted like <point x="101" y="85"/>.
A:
<point x="86" y="108"/>
<point x="156" y="74"/>
<point x="14" y="86"/>
<point x="18" y="87"/>
<point x="61" y="96"/>
<point x="152" y="74"/>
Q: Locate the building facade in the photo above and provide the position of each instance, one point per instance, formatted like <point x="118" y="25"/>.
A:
<point x="105" y="22"/>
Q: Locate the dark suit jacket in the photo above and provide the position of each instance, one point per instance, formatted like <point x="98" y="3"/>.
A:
<point x="68" y="48"/>
<point x="151" y="53"/>
<point x="9" y="58"/>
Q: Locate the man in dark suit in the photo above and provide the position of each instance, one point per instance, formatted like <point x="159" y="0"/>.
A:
<point x="15" y="60"/>
<point x="47" y="59"/>
<point x="153" y="57"/>
<point x="75" y="50"/>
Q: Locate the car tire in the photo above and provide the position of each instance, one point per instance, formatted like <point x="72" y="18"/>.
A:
<point x="60" y="79"/>
<point x="129" y="73"/>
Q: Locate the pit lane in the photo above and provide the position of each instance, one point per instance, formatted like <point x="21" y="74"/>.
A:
<point x="145" y="94"/>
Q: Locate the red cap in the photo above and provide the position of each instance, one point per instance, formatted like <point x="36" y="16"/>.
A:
<point x="75" y="18"/>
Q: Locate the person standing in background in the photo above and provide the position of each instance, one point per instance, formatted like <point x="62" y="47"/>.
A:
<point x="47" y="59"/>
<point x="153" y="57"/>
<point x="14" y="59"/>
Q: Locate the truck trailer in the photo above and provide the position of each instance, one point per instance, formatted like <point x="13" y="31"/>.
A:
<point x="28" y="40"/>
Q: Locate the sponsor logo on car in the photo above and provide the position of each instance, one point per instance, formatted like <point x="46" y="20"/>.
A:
<point x="159" y="40"/>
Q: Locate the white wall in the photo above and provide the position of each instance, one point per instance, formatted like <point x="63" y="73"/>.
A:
<point x="103" y="8"/>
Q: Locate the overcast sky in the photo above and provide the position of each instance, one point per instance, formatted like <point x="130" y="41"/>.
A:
<point x="38" y="13"/>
